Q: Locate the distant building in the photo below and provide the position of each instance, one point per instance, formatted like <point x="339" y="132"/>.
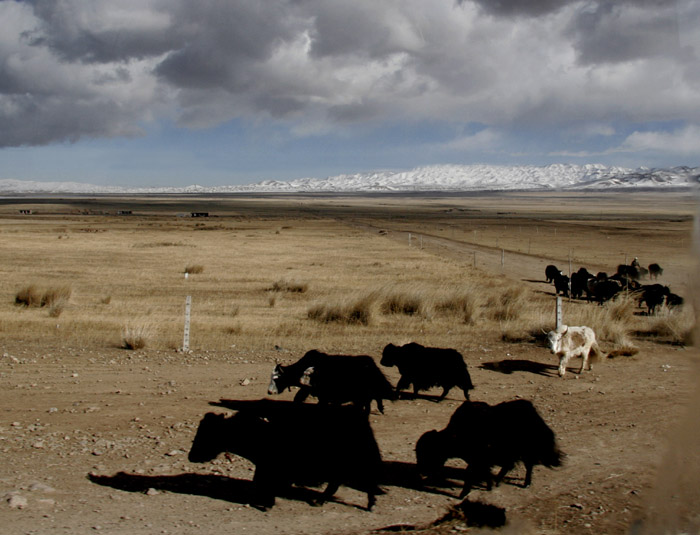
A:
<point x="25" y="212"/>
<point x="200" y="214"/>
<point x="123" y="212"/>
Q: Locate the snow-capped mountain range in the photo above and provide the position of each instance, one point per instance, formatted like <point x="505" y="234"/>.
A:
<point x="446" y="178"/>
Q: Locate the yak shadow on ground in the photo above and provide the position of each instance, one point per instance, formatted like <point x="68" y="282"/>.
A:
<point x="243" y="491"/>
<point x="223" y="488"/>
<point x="508" y="366"/>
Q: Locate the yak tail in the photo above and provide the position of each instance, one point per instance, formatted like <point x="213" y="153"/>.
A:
<point x="553" y="458"/>
<point x="595" y="353"/>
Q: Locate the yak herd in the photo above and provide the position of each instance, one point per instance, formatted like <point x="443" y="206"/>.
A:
<point x="296" y="444"/>
<point x="601" y="287"/>
<point x="333" y="442"/>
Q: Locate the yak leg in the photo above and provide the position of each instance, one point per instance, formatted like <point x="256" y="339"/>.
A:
<point x="504" y="470"/>
<point x="563" y="360"/>
<point x="402" y="384"/>
<point x="445" y="390"/>
<point x="328" y="493"/>
<point x="304" y="392"/>
<point x="528" y="474"/>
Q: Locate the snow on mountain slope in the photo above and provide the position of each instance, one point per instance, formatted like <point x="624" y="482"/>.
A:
<point x="430" y="178"/>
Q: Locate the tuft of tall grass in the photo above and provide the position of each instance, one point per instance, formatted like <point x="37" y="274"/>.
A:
<point x="508" y="304"/>
<point x="136" y="336"/>
<point x="676" y="326"/>
<point x="28" y="296"/>
<point x="465" y="305"/>
<point x="53" y="295"/>
<point x="289" y="286"/>
<point x="354" y="313"/>
<point x="193" y="269"/>
<point x="403" y="303"/>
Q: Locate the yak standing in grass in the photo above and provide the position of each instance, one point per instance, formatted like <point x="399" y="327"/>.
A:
<point x="485" y="436"/>
<point x="427" y="367"/>
<point x="338" y="379"/>
<point x="297" y="444"/>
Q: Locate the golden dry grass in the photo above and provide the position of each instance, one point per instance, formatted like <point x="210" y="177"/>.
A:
<point x="338" y="283"/>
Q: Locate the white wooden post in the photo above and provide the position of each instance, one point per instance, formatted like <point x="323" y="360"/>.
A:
<point x="421" y="241"/>
<point x="186" y="338"/>
<point x="409" y="239"/>
<point x="503" y="258"/>
<point x="558" y="312"/>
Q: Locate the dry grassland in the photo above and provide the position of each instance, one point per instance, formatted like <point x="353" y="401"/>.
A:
<point x="260" y="271"/>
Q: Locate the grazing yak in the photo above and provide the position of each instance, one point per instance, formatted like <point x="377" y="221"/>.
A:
<point x="579" y="282"/>
<point x="339" y="379"/>
<point x="561" y="285"/>
<point x="655" y="271"/>
<point x="568" y="342"/>
<point x="426" y="367"/>
<point x="602" y="290"/>
<point x="359" y="385"/>
<point x="485" y="436"/>
<point x="653" y="296"/>
<point x="299" y="444"/>
<point x="551" y="272"/>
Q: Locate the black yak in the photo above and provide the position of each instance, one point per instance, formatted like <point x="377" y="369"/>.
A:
<point x="561" y="285"/>
<point x="340" y="379"/>
<point x="579" y="282"/>
<point x="426" y="367"/>
<point x="296" y="444"/>
<point x="653" y="296"/>
<point x="655" y="271"/>
<point x="551" y="272"/>
<point x="485" y="436"/>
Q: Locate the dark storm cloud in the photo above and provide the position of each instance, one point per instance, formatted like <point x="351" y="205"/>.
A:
<point x="607" y="32"/>
<point x="73" y="31"/>
<point x="509" y="8"/>
<point x="89" y="68"/>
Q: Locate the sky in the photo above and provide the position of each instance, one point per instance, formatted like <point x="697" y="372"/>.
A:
<point x="217" y="92"/>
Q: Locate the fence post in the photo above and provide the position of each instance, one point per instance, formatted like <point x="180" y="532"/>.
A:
<point x="558" y="312"/>
<point x="409" y="239"/>
<point x="186" y="337"/>
<point x="503" y="258"/>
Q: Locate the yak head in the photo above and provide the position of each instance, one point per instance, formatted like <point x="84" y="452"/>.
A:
<point x="278" y="381"/>
<point x="307" y="376"/>
<point x="207" y="445"/>
<point x="389" y="356"/>
<point x="430" y="453"/>
<point x="554" y="338"/>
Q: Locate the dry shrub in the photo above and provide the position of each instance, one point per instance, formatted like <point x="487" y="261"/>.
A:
<point x="53" y="295"/>
<point x="106" y="300"/>
<point x="289" y="286"/>
<point x="193" y="269"/>
<point x="28" y="296"/>
<point x="355" y="313"/>
<point x="136" y="336"/>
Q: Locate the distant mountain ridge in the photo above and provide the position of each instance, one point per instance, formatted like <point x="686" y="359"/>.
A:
<point x="447" y="178"/>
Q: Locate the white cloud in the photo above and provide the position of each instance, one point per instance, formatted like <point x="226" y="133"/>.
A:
<point x="682" y="142"/>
